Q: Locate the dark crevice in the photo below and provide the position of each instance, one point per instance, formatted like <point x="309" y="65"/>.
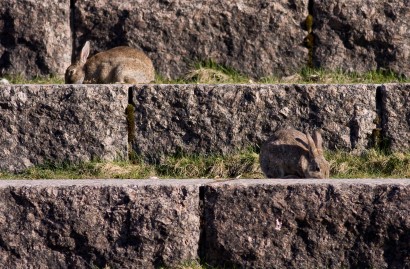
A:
<point x="130" y="96"/>
<point x="310" y="38"/>
<point x="310" y="6"/>
<point x="130" y="117"/>
<point x="72" y="28"/>
<point x="202" y="228"/>
<point x="379" y="139"/>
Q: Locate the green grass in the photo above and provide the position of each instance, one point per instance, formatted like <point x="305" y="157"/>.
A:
<point x="245" y="164"/>
<point x="185" y="265"/>
<point x="210" y="72"/>
<point x="370" y="164"/>
<point x="51" y="79"/>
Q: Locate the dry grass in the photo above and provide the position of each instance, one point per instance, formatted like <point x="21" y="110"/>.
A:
<point x="370" y="164"/>
<point x="245" y="164"/>
<point x="51" y="79"/>
<point x="210" y="72"/>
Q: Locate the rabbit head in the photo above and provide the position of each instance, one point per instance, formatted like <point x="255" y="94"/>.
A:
<point x="316" y="166"/>
<point x="75" y="73"/>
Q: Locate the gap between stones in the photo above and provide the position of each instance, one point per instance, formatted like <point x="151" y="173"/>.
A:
<point x="130" y="118"/>
<point x="72" y="29"/>
<point x="310" y="38"/>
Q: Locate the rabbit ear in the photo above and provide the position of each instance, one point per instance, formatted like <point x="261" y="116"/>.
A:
<point x="317" y="137"/>
<point x="312" y="146"/>
<point x="85" y="51"/>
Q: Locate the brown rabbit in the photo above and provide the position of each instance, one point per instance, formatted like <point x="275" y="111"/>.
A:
<point x="117" y="65"/>
<point x="289" y="153"/>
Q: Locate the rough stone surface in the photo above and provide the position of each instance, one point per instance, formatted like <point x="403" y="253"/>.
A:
<point x="259" y="38"/>
<point x="128" y="224"/>
<point x="362" y="35"/>
<point x="311" y="224"/>
<point x="224" y="118"/>
<point x="35" y="37"/>
<point x="57" y="123"/>
<point x="395" y="100"/>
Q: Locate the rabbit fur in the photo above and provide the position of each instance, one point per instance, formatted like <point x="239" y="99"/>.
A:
<point x="117" y="65"/>
<point x="289" y="153"/>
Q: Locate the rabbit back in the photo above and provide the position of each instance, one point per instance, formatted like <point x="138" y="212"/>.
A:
<point x="119" y="65"/>
<point x="289" y="154"/>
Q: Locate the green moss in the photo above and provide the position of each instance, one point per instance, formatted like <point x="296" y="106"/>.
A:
<point x="309" y="39"/>
<point x="309" y="23"/>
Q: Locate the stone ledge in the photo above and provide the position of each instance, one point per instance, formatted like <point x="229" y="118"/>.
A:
<point x="264" y="223"/>
<point x="395" y="116"/>
<point x="81" y="224"/>
<point x="224" y="118"/>
<point x="307" y="224"/>
<point x="41" y="123"/>
<point x="58" y="123"/>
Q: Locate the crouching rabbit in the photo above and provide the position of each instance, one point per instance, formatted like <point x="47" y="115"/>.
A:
<point x="289" y="153"/>
<point x="117" y="65"/>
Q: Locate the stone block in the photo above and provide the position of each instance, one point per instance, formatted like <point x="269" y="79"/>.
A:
<point x="35" y="37"/>
<point x="362" y="35"/>
<point x="203" y="119"/>
<point x="258" y="38"/>
<point x="395" y="100"/>
<point x="58" y="123"/>
<point x="98" y="224"/>
<point x="307" y="224"/>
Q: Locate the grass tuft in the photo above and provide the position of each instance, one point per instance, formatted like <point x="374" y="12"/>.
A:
<point x="50" y="79"/>
<point x="210" y="72"/>
<point x="370" y="164"/>
<point x="244" y="164"/>
<point x="321" y="76"/>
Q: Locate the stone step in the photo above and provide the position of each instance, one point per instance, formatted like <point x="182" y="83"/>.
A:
<point x="58" y="123"/>
<point x="337" y="223"/>
<point x="259" y="38"/>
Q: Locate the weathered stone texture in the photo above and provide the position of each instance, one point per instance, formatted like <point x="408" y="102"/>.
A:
<point x="362" y="35"/>
<point x="242" y="223"/>
<point x="307" y="224"/>
<point x="98" y="225"/>
<point x="223" y="118"/>
<point x="395" y="100"/>
<point x="259" y="38"/>
<point x="35" y="37"/>
<point x="59" y="123"/>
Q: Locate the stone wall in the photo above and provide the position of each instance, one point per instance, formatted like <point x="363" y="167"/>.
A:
<point x="224" y="118"/>
<point x="57" y="123"/>
<point x="259" y="38"/>
<point x="307" y="224"/>
<point x="394" y="102"/>
<point x="35" y="37"/>
<point x="362" y="35"/>
<point x="94" y="224"/>
<point x="244" y="223"/>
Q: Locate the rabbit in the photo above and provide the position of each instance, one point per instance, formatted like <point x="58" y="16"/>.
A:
<point x="117" y="65"/>
<point x="289" y="153"/>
